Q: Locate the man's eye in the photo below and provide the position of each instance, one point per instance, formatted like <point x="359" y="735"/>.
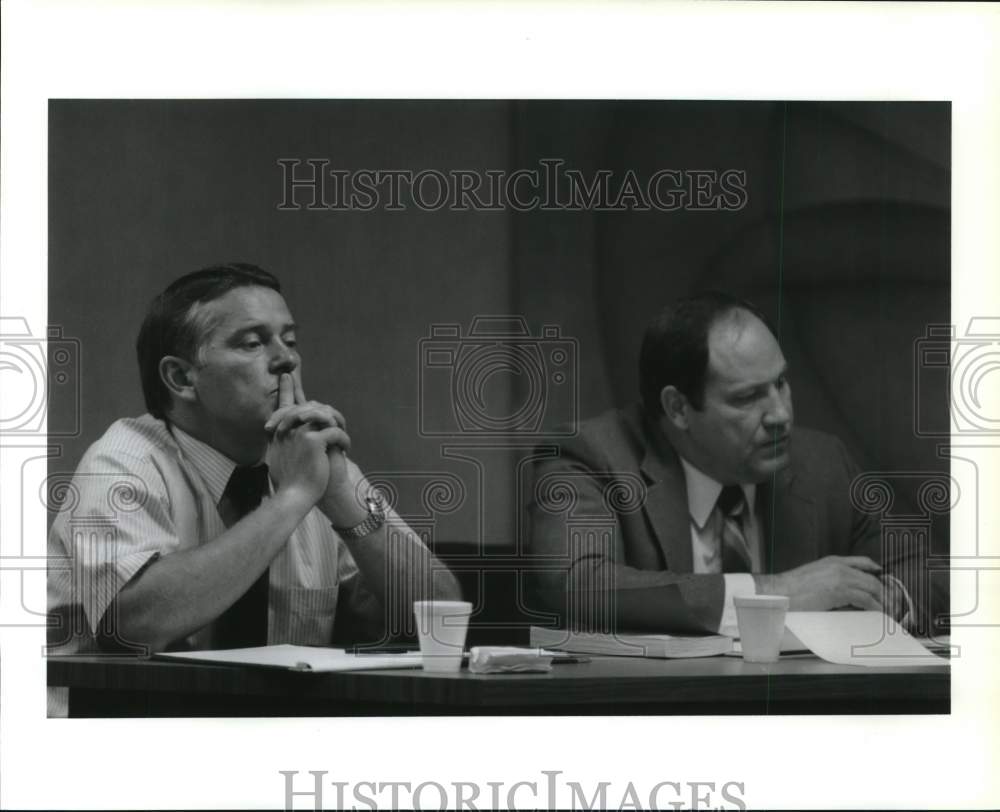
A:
<point x="250" y="343"/>
<point x="290" y="341"/>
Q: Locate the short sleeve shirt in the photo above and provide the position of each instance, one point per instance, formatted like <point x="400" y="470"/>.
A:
<point x="145" y="490"/>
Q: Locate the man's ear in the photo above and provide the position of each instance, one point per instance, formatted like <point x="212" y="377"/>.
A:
<point x="178" y="375"/>
<point x="675" y="407"/>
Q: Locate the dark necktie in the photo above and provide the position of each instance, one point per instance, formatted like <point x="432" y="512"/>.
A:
<point x="735" y="550"/>
<point x="245" y="622"/>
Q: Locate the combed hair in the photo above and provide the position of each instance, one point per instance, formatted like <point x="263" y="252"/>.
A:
<point x="675" y="347"/>
<point x="169" y="328"/>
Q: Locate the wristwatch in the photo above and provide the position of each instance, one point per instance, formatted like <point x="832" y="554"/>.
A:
<point x="376" y="518"/>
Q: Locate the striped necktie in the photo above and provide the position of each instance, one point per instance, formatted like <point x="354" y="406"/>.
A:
<point x="735" y="551"/>
<point x="245" y="622"/>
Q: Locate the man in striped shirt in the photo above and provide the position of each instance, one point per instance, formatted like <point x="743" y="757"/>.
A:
<point x="157" y="546"/>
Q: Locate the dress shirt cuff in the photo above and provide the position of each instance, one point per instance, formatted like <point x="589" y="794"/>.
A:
<point x="737" y="583"/>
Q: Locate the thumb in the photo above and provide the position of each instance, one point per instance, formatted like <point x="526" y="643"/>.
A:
<point x="297" y="391"/>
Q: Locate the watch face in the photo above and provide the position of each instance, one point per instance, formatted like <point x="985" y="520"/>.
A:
<point x="375" y="505"/>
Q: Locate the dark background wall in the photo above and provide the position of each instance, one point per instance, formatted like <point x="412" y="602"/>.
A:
<point x="844" y="238"/>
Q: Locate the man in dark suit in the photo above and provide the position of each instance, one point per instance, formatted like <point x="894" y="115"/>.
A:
<point x="661" y="513"/>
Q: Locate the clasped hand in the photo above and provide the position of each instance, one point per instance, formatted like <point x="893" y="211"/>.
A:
<point x="307" y="453"/>
<point x="833" y="582"/>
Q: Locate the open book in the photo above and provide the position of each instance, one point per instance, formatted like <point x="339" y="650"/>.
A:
<point x="300" y="658"/>
<point x="632" y="645"/>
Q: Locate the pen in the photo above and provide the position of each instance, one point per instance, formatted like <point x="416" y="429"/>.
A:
<point x="575" y="658"/>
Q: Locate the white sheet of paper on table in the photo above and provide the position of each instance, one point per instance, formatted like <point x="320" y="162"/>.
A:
<point x="302" y="658"/>
<point x="860" y="638"/>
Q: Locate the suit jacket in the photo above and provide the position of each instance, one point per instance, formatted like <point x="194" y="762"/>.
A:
<point x="610" y="533"/>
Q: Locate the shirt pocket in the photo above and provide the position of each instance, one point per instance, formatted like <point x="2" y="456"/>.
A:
<point x="302" y="615"/>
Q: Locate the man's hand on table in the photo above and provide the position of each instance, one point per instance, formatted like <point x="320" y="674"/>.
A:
<point x="832" y="582"/>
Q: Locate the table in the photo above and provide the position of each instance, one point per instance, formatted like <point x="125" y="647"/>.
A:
<point x="103" y="686"/>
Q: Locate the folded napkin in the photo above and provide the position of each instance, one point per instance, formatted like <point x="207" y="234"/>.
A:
<point x="508" y="660"/>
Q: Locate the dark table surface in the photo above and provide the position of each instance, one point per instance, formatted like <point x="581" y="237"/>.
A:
<point x="119" y="686"/>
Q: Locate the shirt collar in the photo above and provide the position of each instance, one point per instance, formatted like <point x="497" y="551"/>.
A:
<point x="214" y="466"/>
<point x="703" y="492"/>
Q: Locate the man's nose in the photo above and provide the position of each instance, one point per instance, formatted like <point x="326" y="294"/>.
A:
<point x="284" y="359"/>
<point x="779" y="410"/>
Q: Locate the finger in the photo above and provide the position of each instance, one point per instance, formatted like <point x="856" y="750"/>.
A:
<point x="861" y="562"/>
<point x="339" y="418"/>
<point x="864" y="582"/>
<point x="862" y="600"/>
<point x="300" y="395"/>
<point x="286" y="394"/>
<point x="312" y="411"/>
<point x="276" y="416"/>
<point x="315" y="415"/>
<point x="892" y="600"/>
<point x="335" y="438"/>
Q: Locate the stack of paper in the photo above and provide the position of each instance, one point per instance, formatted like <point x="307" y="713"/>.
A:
<point x="632" y="645"/>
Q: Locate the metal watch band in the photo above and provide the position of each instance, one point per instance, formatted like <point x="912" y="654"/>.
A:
<point x="376" y="518"/>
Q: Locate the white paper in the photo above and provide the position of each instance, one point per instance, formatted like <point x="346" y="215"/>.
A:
<point x="860" y="638"/>
<point x="301" y="658"/>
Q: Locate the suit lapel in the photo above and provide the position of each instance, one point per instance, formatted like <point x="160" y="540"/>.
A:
<point x="666" y="504"/>
<point x="788" y="535"/>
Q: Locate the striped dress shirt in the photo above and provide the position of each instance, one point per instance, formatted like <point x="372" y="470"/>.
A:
<point x="145" y="490"/>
